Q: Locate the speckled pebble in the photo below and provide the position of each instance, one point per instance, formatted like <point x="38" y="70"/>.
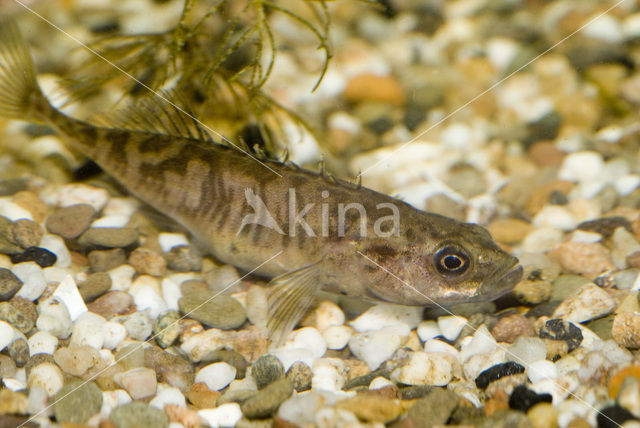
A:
<point x="300" y="375"/>
<point x="15" y="317"/>
<point x="183" y="258"/>
<point x="112" y="304"/>
<point x="588" y="302"/>
<point x="9" y="284"/>
<point x="266" y="369"/>
<point x="433" y="409"/>
<point x="510" y="328"/>
<point x="138" y="414"/>
<point x="166" y="328"/>
<point x="147" y="262"/>
<point x="558" y="329"/>
<point x="76" y="401"/>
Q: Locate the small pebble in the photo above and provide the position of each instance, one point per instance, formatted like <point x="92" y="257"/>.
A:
<point x="44" y="258"/>
<point x="42" y="342"/>
<point x="587" y="303"/>
<point x="222" y="312"/>
<point x="147" y="262"/>
<point x="105" y="260"/>
<point x="9" y="284"/>
<point x="541" y="369"/>
<point x="138" y="414"/>
<point x="166" y="328"/>
<point x="511" y="327"/>
<point x="558" y="329"/>
<point x="267" y="369"/>
<point x="76" y="401"/>
<point x="375" y="347"/>
<point x="386" y="315"/>
<point x="183" y="258"/>
<point x="433" y="409"/>
<point x="71" y="221"/>
<point x="216" y="376"/>
<point x="425" y="369"/>
<point x="33" y="282"/>
<point x="266" y="402"/>
<point x="15" y="317"/>
<point x="497" y="372"/>
<point x="112" y="304"/>
<point x="225" y="415"/>
<point x="300" y="375"/>
<point x="109" y="237"/>
<point x="139" y="382"/>
<point x="94" y="286"/>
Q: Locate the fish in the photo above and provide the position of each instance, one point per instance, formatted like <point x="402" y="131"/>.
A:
<point x="331" y="234"/>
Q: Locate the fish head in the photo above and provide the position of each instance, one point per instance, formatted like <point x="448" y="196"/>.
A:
<point x="451" y="262"/>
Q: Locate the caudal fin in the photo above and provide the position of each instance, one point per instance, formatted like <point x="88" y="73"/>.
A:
<point x="20" y="95"/>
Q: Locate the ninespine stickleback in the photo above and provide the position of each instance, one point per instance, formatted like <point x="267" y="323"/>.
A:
<point x="332" y="234"/>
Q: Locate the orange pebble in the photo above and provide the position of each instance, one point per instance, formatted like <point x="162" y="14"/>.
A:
<point x="620" y="376"/>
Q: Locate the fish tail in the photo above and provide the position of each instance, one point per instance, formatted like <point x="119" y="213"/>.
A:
<point x="20" y="96"/>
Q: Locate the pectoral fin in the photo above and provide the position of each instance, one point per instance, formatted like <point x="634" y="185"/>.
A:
<point x="289" y="297"/>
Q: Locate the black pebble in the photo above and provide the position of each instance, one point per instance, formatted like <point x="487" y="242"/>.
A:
<point x="613" y="417"/>
<point x="558" y="329"/>
<point x="522" y="398"/>
<point x="498" y="371"/>
<point x="44" y="258"/>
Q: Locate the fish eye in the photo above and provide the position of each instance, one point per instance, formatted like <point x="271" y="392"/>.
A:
<point x="451" y="261"/>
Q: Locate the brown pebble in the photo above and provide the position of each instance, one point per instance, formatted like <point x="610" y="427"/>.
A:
<point x="27" y="233"/>
<point x="27" y="307"/>
<point x="94" y="286"/>
<point x="545" y="153"/>
<point x="371" y="87"/>
<point x="147" y="262"/>
<point x="70" y="222"/>
<point x="633" y="260"/>
<point x="104" y="260"/>
<point x="373" y="408"/>
<point x="202" y="397"/>
<point x="191" y="286"/>
<point x="499" y="401"/>
<point x="112" y="303"/>
<point x="509" y="230"/>
<point x="540" y="195"/>
<point x="588" y="259"/>
<point x="19" y="352"/>
<point x="32" y="203"/>
<point x="556" y="348"/>
<point x="390" y="392"/>
<point x="7" y="366"/>
<point x="626" y="329"/>
<point x="509" y="328"/>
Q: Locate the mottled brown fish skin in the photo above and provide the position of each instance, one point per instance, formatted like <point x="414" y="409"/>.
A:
<point x="427" y="259"/>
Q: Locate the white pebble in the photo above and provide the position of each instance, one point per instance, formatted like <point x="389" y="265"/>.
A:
<point x="603" y="27"/>
<point x="425" y="369"/>
<point x="375" y="347"/>
<point x="541" y="369"/>
<point x="326" y="376"/>
<point x="541" y="240"/>
<point x="169" y="240"/>
<point x="114" y="333"/>
<point x="451" y="326"/>
<point x="225" y="415"/>
<point x="112" y="399"/>
<point x="111" y="221"/>
<point x="54" y="318"/>
<point x="527" y="350"/>
<point x="307" y="338"/>
<point x="631" y="26"/>
<point x="6" y="335"/>
<point x="217" y="375"/>
<point x="627" y="184"/>
<point x="387" y="315"/>
<point x="288" y="356"/>
<point x="87" y="330"/>
<point x="581" y="166"/>
<point x="168" y="395"/>
<point x="337" y="336"/>
<point x="139" y="382"/>
<point x="138" y="325"/>
<point x="328" y="314"/>
<point x="171" y="293"/>
<point x="15" y="384"/>
<point x="555" y="217"/>
<point x="67" y="293"/>
<point x="33" y="280"/>
<point x="435" y="345"/>
<point x="587" y="303"/>
<point x="146" y="297"/>
<point x="47" y="376"/>
<point x="121" y="277"/>
<point x="56" y="245"/>
<point x="481" y="362"/>
<point x="585" y="237"/>
<point x="38" y="401"/>
<point x="428" y="330"/>
<point x="55" y="274"/>
<point x="42" y="342"/>
<point x="380" y="382"/>
<point x="73" y="194"/>
<point x="13" y="211"/>
<point x="482" y="342"/>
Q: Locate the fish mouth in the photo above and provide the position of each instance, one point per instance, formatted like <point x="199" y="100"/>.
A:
<point x="502" y="282"/>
